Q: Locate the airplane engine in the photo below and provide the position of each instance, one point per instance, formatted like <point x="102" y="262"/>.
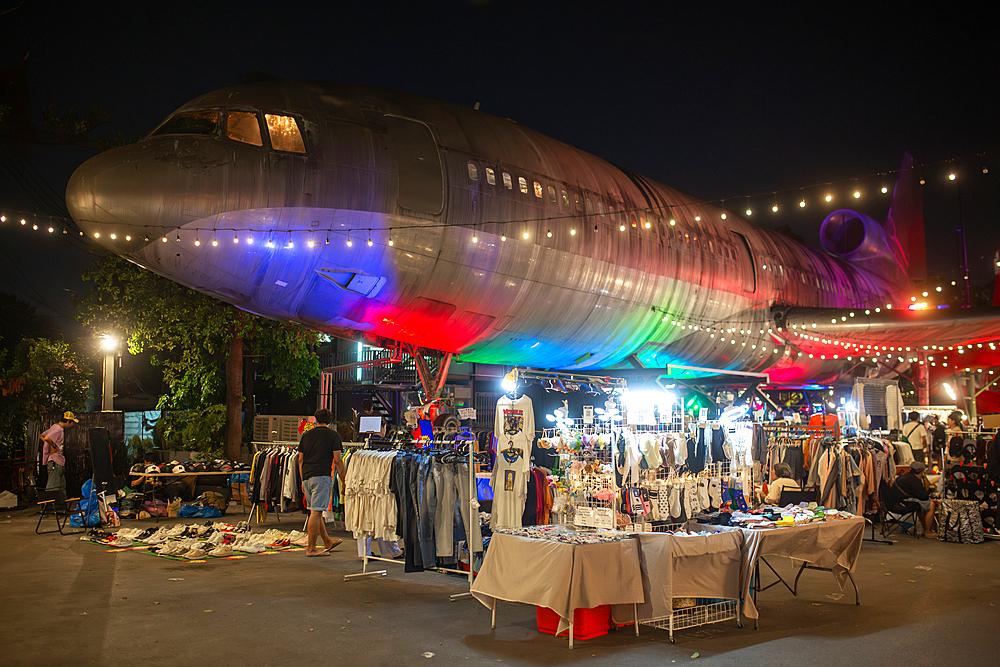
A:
<point x="855" y="237"/>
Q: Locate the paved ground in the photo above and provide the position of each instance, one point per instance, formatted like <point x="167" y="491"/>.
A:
<point x="69" y="602"/>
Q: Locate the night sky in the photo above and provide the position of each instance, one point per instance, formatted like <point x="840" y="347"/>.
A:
<point x="723" y="102"/>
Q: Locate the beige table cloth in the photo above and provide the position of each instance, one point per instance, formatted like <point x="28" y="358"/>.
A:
<point x="834" y="545"/>
<point x="700" y="566"/>
<point x="563" y="577"/>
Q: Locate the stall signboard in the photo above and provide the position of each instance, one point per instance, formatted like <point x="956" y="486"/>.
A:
<point x="604" y="517"/>
<point x="588" y="414"/>
<point x="466" y="413"/>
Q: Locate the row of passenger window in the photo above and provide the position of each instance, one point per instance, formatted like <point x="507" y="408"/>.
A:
<point x="554" y="197"/>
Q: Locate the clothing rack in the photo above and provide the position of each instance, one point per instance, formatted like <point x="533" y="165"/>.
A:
<point x="427" y="446"/>
<point x="263" y="446"/>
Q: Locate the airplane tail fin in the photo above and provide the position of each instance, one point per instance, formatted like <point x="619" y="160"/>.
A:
<point x="905" y="222"/>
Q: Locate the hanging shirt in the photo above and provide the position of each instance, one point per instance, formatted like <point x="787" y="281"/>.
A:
<point x="510" y="487"/>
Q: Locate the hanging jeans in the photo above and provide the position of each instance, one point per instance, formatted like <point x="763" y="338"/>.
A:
<point x="451" y="482"/>
<point x="405" y="478"/>
<point x="427" y="493"/>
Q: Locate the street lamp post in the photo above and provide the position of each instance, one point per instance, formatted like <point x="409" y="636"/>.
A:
<point x="110" y="347"/>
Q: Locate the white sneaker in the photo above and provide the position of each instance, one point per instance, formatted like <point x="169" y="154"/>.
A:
<point x="120" y="541"/>
<point x="222" y="551"/>
<point x="195" y="554"/>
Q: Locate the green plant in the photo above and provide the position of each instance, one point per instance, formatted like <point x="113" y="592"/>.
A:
<point x="198" y="430"/>
<point x="138" y="447"/>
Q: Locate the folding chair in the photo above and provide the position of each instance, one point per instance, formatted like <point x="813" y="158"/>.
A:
<point x="55" y="504"/>
<point x="896" y="515"/>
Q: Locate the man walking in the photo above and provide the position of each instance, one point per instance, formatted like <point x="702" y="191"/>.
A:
<point x="319" y="451"/>
<point x="53" y="455"/>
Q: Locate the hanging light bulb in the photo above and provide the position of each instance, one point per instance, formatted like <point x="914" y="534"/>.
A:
<point x="829" y="198"/>
<point x="802" y="203"/>
<point x="35" y="227"/>
<point x="672" y="222"/>
<point x="370" y="244"/>
<point x="349" y="242"/>
<point x="390" y="242"/>
<point x="475" y="239"/>
<point x="127" y="237"/>
<point x="51" y="229"/>
<point x="775" y="208"/>
<point x="249" y="239"/>
<point x="197" y="241"/>
<point x="3" y="218"/>
<point x="648" y="224"/>
<point x="311" y="243"/>
<point x="723" y="216"/>
<point x="24" y="222"/>
<point x="526" y="234"/>
<point x="884" y="189"/>
<point x="270" y="243"/>
<point x="572" y="232"/>
<point x="951" y="176"/>
<point x="503" y="237"/>
<point x="749" y="212"/>
<point x="621" y="228"/>
<point x="177" y="237"/>
<point x="215" y="243"/>
<point x="857" y="194"/>
<point x="548" y="233"/>
<point x="697" y="218"/>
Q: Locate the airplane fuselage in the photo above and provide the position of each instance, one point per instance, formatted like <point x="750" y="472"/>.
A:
<point x="446" y="227"/>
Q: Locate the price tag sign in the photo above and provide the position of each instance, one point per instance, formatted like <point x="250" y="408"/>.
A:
<point x="466" y="413"/>
<point x="604" y="518"/>
<point x="703" y="414"/>
<point x="588" y="414"/>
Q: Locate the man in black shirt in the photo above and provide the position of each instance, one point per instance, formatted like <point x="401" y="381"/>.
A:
<point x="909" y="487"/>
<point x="319" y="451"/>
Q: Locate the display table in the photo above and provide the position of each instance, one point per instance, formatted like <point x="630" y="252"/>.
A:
<point x="563" y="577"/>
<point x="690" y="566"/>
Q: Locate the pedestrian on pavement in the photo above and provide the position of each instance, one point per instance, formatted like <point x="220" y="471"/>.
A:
<point x="319" y="451"/>
<point x="53" y="454"/>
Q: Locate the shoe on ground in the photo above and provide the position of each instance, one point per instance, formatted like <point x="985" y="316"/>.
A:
<point x="195" y="554"/>
<point x="221" y="551"/>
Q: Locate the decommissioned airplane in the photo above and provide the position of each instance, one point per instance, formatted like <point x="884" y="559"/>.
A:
<point x="355" y="210"/>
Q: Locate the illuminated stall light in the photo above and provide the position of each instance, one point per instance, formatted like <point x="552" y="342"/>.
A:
<point x="215" y="243"/>
<point x="884" y="189"/>
<point x="572" y="232"/>
<point x="502" y="238"/>
<point x="548" y="233"/>
<point x="236" y="239"/>
<point x="857" y="194"/>
<point x="829" y="198"/>
<point x="250" y="239"/>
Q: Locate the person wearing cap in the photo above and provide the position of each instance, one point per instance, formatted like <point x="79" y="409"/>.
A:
<point x="53" y="452"/>
<point x="910" y="487"/>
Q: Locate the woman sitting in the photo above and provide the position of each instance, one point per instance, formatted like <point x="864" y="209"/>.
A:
<point x="783" y="480"/>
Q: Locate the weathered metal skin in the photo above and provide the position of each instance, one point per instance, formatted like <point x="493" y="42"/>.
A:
<point x="603" y="273"/>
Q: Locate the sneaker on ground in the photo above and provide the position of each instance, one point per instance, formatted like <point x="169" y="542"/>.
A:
<point x="195" y="553"/>
<point x="221" y="551"/>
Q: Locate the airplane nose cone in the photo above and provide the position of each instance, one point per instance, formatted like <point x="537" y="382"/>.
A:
<point x="145" y="190"/>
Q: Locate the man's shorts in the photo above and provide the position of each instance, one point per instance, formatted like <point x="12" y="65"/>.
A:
<point x="316" y="492"/>
<point x="925" y="505"/>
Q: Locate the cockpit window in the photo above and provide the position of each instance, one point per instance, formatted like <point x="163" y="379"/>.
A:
<point x="284" y="133"/>
<point x="204" y="121"/>
<point x="242" y="126"/>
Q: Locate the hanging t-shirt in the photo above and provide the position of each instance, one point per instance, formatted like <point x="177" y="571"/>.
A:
<point x="514" y="429"/>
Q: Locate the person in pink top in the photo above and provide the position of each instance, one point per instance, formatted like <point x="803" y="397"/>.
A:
<point x="53" y="455"/>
